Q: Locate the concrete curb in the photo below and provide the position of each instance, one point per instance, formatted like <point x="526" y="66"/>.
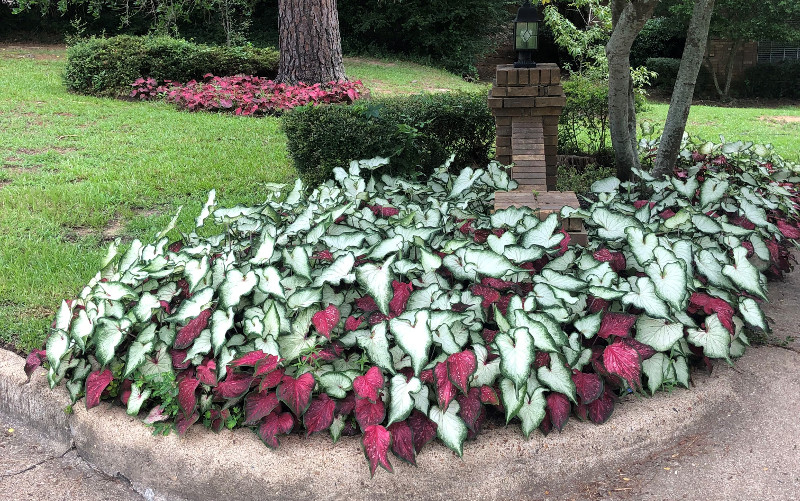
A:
<point x="500" y="464"/>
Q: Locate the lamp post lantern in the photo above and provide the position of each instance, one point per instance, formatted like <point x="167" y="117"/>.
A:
<point x="526" y="35"/>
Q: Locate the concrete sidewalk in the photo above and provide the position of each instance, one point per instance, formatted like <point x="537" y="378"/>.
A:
<point x="735" y="435"/>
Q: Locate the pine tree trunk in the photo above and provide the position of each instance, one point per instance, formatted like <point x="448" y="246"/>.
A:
<point x="693" y="53"/>
<point x="310" y="44"/>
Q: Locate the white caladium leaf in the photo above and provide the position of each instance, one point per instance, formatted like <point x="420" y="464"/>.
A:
<point x="376" y="344"/>
<point x="144" y="308"/>
<point x="498" y="244"/>
<point x="201" y="345"/>
<point x="345" y="240"/>
<point x="589" y="325"/>
<point x="221" y="323"/>
<point x="335" y="384"/>
<point x="412" y="333"/>
<point x="488" y="263"/>
<point x="265" y="247"/>
<point x="563" y="262"/>
<point x="642" y="245"/>
<point x="377" y="280"/>
<point x="545" y="296"/>
<point x="508" y="217"/>
<point x="612" y="225"/>
<point x="607" y="185"/>
<point x="108" y="335"/>
<point x="113" y="291"/>
<point x="430" y="261"/>
<point x="752" y="313"/>
<point x="131" y="256"/>
<point x="560" y="281"/>
<point x="450" y="429"/>
<point x="136" y="356"/>
<point x="682" y="217"/>
<point x="714" y="339"/>
<point x="757" y="215"/>
<point x="708" y="265"/>
<point x="644" y="296"/>
<point x="657" y="332"/>
<point x="401" y="400"/>
<point x="235" y="286"/>
<point x="706" y="224"/>
<point x="744" y="274"/>
<point x="558" y="377"/>
<point x="269" y="282"/>
<point x="688" y="188"/>
<point x="516" y="354"/>
<point x="519" y="254"/>
<point x="733" y="230"/>
<point x="655" y="369"/>
<point x="464" y="181"/>
<point x="681" y="367"/>
<point x="671" y="283"/>
<point x="384" y="247"/>
<point x="551" y="326"/>
<point x="712" y="191"/>
<point x="195" y="271"/>
<point x="487" y="372"/>
<point x="759" y="247"/>
<point x="206" y="210"/>
<point x="511" y="397"/>
<point x="57" y="345"/>
<point x="532" y="411"/>
<point x="303" y="298"/>
<point x="82" y="328"/>
<point x="543" y="235"/>
<point x="338" y="271"/>
<point x="542" y="338"/>
<point x="191" y="307"/>
<point x="297" y="260"/>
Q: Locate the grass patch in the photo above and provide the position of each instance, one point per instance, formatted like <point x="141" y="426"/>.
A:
<point x="386" y="77"/>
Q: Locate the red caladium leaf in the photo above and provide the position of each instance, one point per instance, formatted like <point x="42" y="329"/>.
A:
<point x="741" y="221"/>
<point x="155" y="415"/>
<point x="353" y="323"/>
<point x="616" y="324"/>
<point x="179" y="359"/>
<point x="187" y="396"/>
<point x="711" y="305"/>
<point x="325" y="320"/>
<point x="183" y="422"/>
<point x="542" y="359"/>
<point x="402" y="291"/>
<point x="503" y="302"/>
<point x="267" y="365"/>
<point x="546" y="426"/>
<point x="250" y="359"/>
<point x="34" y="361"/>
<point x="600" y="410"/>
<point x="460" y="366"/>
<point x="296" y="393"/>
<point x="471" y="408"/>
<point x="488" y="294"/>
<point x="277" y="423"/>
<point x="445" y="390"/>
<point x="423" y="429"/>
<point x="125" y="391"/>
<point x="366" y="304"/>
<point x="190" y="331"/>
<point x="403" y="442"/>
<point x="582" y="411"/>
<point x="480" y="236"/>
<point x="488" y="335"/>
<point x="369" y="413"/>
<point x="271" y="380"/>
<point x="788" y="230"/>
<point x="96" y="382"/>
<point x="319" y="415"/>
<point x="207" y="372"/>
<point x="625" y="362"/>
<point x="645" y="351"/>
<point x="379" y="210"/>
<point x="235" y="385"/>
<point x="563" y="245"/>
<point x="259" y="405"/>
<point x="596" y="304"/>
<point x="589" y="387"/>
<point x="667" y="213"/>
<point x="489" y="395"/>
<point x="345" y="406"/>
<point x="376" y="442"/>
<point x="368" y="385"/>
<point x="218" y="418"/>
<point x="323" y="255"/>
<point x="558" y="407"/>
<point x="498" y="284"/>
<point x="426" y="376"/>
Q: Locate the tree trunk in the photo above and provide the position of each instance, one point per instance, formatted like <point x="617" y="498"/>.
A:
<point x="737" y="46"/>
<point x="693" y="54"/>
<point x="628" y="18"/>
<point x="310" y="44"/>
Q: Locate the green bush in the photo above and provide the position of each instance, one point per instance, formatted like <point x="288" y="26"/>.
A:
<point x="579" y="180"/>
<point x="667" y="69"/>
<point x="660" y="37"/>
<point x="417" y="132"/>
<point x="773" y="80"/>
<point x="108" y="66"/>
<point x="583" y="126"/>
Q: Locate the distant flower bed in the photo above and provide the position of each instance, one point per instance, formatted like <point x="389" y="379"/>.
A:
<point x="245" y="95"/>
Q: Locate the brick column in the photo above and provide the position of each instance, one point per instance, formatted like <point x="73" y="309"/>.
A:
<point x="526" y="104"/>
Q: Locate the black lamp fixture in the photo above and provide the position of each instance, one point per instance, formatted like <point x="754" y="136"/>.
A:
<point x="526" y="35"/>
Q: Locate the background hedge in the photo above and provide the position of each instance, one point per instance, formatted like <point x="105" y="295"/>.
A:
<point x="418" y="132"/>
<point x="108" y="66"/>
<point x="667" y="69"/>
<point x="773" y="80"/>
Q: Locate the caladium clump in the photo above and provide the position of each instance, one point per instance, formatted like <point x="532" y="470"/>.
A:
<point x="404" y="310"/>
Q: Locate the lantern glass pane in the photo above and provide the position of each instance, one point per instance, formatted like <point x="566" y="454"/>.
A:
<point x="527" y="36"/>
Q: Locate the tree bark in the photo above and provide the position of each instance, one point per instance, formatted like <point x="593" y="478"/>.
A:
<point x="628" y="18"/>
<point x="693" y="54"/>
<point x="310" y="44"/>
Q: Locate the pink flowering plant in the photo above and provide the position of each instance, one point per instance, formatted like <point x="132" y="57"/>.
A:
<point x="405" y="311"/>
<point x="245" y="95"/>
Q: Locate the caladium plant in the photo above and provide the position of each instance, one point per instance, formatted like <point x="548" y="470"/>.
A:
<point x="406" y="311"/>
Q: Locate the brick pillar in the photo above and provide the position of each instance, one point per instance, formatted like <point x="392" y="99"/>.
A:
<point x="526" y="104"/>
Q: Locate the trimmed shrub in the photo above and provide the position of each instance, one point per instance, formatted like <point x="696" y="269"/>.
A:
<point x="583" y="126"/>
<point x="667" y="69"/>
<point x="773" y="80"/>
<point x="107" y="66"/>
<point x="418" y="133"/>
